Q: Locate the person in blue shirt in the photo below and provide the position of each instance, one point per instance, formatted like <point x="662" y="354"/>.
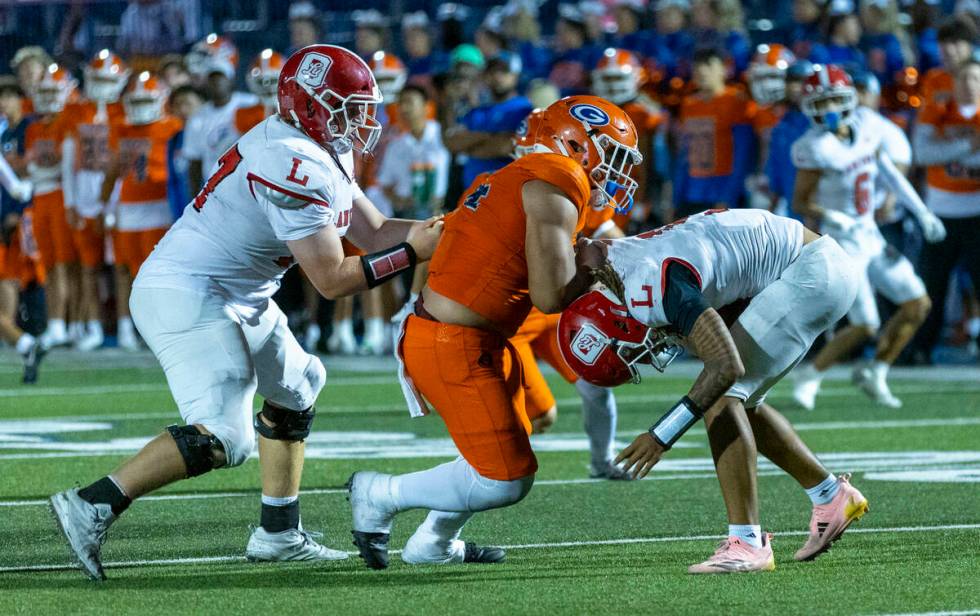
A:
<point x="673" y="36"/>
<point x="779" y="167"/>
<point x="720" y="23"/>
<point x="843" y="36"/>
<point x="925" y="15"/>
<point x="805" y="32"/>
<point x="184" y="101"/>
<point x="880" y="44"/>
<point x="420" y="57"/>
<point x="574" y="54"/>
<point x="484" y="133"/>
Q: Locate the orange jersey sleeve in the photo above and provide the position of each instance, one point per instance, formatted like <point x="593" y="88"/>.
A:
<point x="480" y="262"/>
<point x="937" y="86"/>
<point x="951" y="177"/>
<point x="142" y="152"/>
<point x="247" y="117"/>
<point x="646" y="115"/>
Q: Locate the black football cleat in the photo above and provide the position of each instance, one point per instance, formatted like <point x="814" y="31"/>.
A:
<point x="483" y="555"/>
<point x="32" y="360"/>
<point x="373" y="548"/>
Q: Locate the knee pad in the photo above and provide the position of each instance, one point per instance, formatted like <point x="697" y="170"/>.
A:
<point x="288" y="425"/>
<point x="196" y="448"/>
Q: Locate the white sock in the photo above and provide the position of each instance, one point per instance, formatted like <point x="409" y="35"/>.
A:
<point x="748" y="533"/>
<point x="124" y="327"/>
<point x="374" y="328"/>
<point x="825" y="491"/>
<point x="279" y="501"/>
<point x="95" y="327"/>
<point x="455" y="487"/>
<point x="879" y="369"/>
<point x="441" y="528"/>
<point x="24" y="343"/>
<point x="599" y="418"/>
<point x="56" y="328"/>
<point x="344" y="328"/>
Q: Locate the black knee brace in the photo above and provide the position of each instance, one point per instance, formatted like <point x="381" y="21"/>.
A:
<point x="197" y="449"/>
<point x="289" y="425"/>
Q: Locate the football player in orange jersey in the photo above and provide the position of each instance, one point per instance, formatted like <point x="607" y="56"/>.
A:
<point x="87" y="140"/>
<point x="766" y="77"/>
<point x="506" y="248"/>
<point x="619" y="77"/>
<point x="142" y="213"/>
<point x="262" y="80"/>
<point x="46" y="167"/>
<point x="537" y="339"/>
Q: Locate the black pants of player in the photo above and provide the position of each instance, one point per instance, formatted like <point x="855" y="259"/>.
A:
<point x="961" y="246"/>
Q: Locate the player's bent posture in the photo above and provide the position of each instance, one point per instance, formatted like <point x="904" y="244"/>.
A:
<point x="202" y="303"/>
<point x="508" y="246"/>
<point x="665" y="288"/>
<point x="839" y="160"/>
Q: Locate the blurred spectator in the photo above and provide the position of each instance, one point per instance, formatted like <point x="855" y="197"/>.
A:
<point x="884" y="41"/>
<point x="779" y="167"/>
<point x="173" y="72"/>
<point x="841" y="48"/>
<point x="304" y="26"/>
<point x="596" y="21"/>
<point x="484" y="134"/>
<point x="369" y="32"/>
<point x="152" y="28"/>
<point x="717" y="149"/>
<point x="184" y="102"/>
<point x="673" y="35"/>
<point x="452" y="18"/>
<point x="421" y="59"/>
<point x="947" y="143"/>
<point x="542" y="93"/>
<point x="924" y="15"/>
<point x="29" y="64"/>
<point x="721" y="24"/>
<point x="489" y="36"/>
<point x="957" y="38"/>
<point x="524" y="30"/>
<point x="630" y="33"/>
<point x="574" y="57"/>
<point x="806" y="29"/>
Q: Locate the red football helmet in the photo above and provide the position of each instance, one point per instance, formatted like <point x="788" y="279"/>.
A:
<point x="525" y="139"/>
<point x="829" y="98"/>
<point x="602" y="343"/>
<point x="330" y="94"/>
<point x="390" y="74"/>
<point x="600" y="136"/>
<point x="105" y="77"/>
<point x="767" y="73"/>
<point x="618" y="76"/>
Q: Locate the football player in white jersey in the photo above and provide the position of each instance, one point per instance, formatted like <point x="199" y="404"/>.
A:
<point x="283" y="193"/>
<point x="670" y="287"/>
<point x="839" y="160"/>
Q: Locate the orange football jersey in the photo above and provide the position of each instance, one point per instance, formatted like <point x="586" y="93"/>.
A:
<point x="707" y="123"/>
<point x="42" y="144"/>
<point x="92" y="132"/>
<point x="946" y="119"/>
<point x="142" y="155"/>
<point x="937" y="86"/>
<point x="480" y="261"/>
<point x="247" y="117"/>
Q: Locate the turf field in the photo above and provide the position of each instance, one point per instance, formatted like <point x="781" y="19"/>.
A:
<point x="576" y="545"/>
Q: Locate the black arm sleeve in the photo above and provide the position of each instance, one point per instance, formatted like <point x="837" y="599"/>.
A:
<point x="683" y="301"/>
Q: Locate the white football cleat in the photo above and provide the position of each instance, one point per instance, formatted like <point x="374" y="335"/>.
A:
<point x="875" y="386"/>
<point x="372" y="346"/>
<point x="423" y="549"/>
<point x="289" y="545"/>
<point x="84" y="525"/>
<point x="90" y="340"/>
<point x="341" y="344"/>
<point x="806" y="386"/>
<point x="610" y="471"/>
<point x="55" y="335"/>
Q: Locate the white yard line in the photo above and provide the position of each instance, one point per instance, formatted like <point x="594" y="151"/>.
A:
<point x="525" y="546"/>
<point x="944" y="613"/>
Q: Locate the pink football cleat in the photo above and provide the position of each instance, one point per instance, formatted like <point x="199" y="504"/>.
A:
<point x="735" y="556"/>
<point x="830" y="521"/>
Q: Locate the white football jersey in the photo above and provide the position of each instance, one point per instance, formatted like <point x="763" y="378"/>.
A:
<point x="848" y="170"/>
<point x="734" y="254"/>
<point x="273" y="186"/>
<point x="211" y="130"/>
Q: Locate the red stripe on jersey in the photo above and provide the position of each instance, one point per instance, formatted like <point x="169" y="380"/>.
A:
<point x="295" y="195"/>
<point x="663" y="272"/>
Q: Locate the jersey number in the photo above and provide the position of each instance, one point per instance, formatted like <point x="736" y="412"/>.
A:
<point x="646" y="301"/>
<point x="862" y="193"/>
<point x="226" y="166"/>
<point x="473" y="199"/>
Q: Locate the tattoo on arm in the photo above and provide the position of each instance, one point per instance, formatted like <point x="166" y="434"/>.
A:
<point x="722" y="365"/>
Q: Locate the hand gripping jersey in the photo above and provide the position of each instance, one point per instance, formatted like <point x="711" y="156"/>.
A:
<point x="480" y="262"/>
<point x="734" y="254"/>
<point x="273" y="186"/>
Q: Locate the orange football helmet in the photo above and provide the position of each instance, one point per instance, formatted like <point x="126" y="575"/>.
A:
<point x="525" y="139"/>
<point x="618" y="76"/>
<point x="600" y="136"/>
<point x="204" y="52"/>
<point x="106" y="76"/>
<point x="54" y="90"/>
<point x="767" y="73"/>
<point x="263" y="77"/>
<point x="144" y="100"/>
<point x="390" y="74"/>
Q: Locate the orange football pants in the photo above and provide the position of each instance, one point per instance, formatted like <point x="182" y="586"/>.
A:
<point x="15" y="264"/>
<point x="538" y="338"/>
<point x="51" y="230"/>
<point x="133" y="247"/>
<point x="463" y="373"/>
<point x="90" y="243"/>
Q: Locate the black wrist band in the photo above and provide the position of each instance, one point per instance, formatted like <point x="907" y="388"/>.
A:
<point x="382" y="266"/>
<point x="676" y="422"/>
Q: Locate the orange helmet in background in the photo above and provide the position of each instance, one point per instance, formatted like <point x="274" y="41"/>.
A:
<point x="389" y="73"/>
<point x="618" y="76"/>
<point x="106" y="76"/>
<point x="144" y="99"/>
<point x="211" y="52"/>
<point x="54" y="90"/>
<point x="263" y="76"/>
<point x="525" y="139"/>
<point x="767" y="73"/>
<point x="602" y="138"/>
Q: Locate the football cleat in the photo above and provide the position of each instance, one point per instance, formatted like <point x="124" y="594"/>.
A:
<point x="875" y="386"/>
<point x="473" y="553"/>
<point x="341" y="344"/>
<point x="424" y="549"/>
<point x="829" y="521"/>
<point x="294" y="544"/>
<point x="610" y="471"/>
<point x="367" y="492"/>
<point x="84" y="525"/>
<point x="735" y="556"/>
<point x="128" y="341"/>
<point x="32" y="360"/>
<point x="806" y="386"/>
<point x="90" y="340"/>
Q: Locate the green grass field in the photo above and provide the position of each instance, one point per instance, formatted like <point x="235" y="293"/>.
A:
<point x="576" y="546"/>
